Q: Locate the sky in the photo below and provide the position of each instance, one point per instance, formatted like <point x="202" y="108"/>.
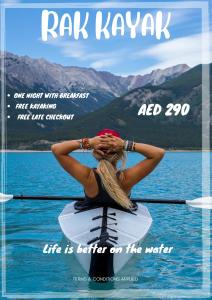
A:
<point x="120" y="55"/>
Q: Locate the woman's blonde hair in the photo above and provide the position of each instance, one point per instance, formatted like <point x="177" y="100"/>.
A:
<point x="107" y="172"/>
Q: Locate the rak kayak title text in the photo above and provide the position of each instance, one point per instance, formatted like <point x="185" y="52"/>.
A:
<point x="104" y="24"/>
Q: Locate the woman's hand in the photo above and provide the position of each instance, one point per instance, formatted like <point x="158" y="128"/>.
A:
<point x="106" y="144"/>
<point x="95" y="142"/>
<point x="111" y="143"/>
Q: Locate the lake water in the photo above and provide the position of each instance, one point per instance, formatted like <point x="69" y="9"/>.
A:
<point x="32" y="224"/>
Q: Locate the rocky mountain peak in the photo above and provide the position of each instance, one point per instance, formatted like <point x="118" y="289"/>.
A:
<point x="55" y="77"/>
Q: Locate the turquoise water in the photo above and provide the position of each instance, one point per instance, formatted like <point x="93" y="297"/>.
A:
<point x="32" y="224"/>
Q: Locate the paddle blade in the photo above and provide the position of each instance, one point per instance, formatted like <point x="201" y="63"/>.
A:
<point x="204" y="202"/>
<point x="5" y="198"/>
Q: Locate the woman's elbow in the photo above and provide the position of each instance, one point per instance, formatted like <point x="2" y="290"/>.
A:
<point x="54" y="149"/>
<point x="161" y="153"/>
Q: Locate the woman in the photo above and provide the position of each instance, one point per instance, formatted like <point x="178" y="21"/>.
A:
<point x="106" y="184"/>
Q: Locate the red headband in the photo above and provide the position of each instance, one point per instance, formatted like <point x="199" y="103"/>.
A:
<point x="110" y="131"/>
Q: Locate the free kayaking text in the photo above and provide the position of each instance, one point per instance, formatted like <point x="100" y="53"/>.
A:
<point x="106" y="24"/>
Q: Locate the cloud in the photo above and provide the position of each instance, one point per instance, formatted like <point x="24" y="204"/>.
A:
<point x="102" y="63"/>
<point x="82" y="51"/>
<point x="183" y="50"/>
<point x="181" y="16"/>
<point x="11" y="2"/>
<point x="105" y="4"/>
<point x="97" y="60"/>
<point x="75" y="50"/>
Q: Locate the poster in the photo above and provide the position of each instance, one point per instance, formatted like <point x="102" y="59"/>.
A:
<point x="84" y="85"/>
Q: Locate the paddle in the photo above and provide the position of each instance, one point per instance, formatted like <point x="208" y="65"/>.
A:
<point x="202" y="202"/>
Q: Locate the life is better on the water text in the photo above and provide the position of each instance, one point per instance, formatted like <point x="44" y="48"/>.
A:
<point x="130" y="248"/>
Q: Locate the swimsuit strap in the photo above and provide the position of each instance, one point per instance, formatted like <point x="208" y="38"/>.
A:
<point x="98" y="180"/>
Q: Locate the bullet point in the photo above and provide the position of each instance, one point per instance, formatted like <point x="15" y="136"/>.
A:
<point x="8" y="117"/>
<point x="8" y="95"/>
<point x="8" y="105"/>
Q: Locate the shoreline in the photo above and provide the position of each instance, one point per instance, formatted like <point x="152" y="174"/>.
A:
<point x="48" y="151"/>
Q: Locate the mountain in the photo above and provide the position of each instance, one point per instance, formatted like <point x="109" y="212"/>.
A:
<point x="166" y="131"/>
<point x="24" y="74"/>
<point x="156" y="77"/>
<point x="178" y="132"/>
<point x="23" y="71"/>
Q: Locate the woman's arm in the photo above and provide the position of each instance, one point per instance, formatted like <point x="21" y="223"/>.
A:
<point x="134" y="174"/>
<point x="137" y="172"/>
<point x="70" y="164"/>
